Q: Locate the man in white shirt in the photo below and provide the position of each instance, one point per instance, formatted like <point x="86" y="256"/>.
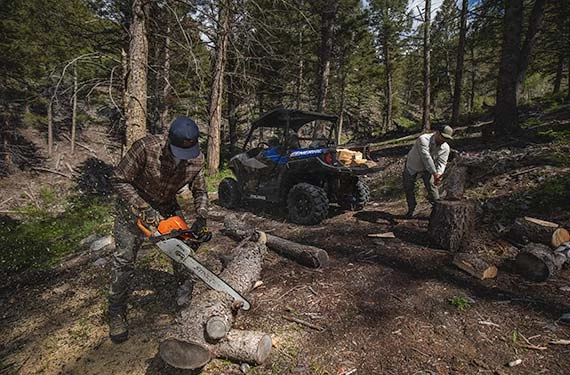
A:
<point x="427" y="158"/>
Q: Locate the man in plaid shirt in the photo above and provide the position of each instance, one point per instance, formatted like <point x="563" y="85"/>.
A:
<point x="147" y="181"/>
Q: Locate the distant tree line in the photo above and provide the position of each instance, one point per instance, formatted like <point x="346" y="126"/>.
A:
<point x="379" y="65"/>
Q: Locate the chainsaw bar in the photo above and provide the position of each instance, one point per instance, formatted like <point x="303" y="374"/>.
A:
<point x="182" y="253"/>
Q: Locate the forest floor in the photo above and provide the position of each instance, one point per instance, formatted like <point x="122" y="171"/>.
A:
<point x="385" y="306"/>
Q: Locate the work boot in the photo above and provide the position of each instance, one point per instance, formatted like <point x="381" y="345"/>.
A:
<point x="118" y="327"/>
<point x="184" y="293"/>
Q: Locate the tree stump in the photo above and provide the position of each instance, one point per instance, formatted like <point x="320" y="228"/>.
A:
<point x="528" y="229"/>
<point x="538" y="262"/>
<point x="451" y="223"/>
<point x="309" y="256"/>
<point x="203" y="329"/>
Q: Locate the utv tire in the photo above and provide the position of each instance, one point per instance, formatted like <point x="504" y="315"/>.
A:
<point x="359" y="199"/>
<point x="229" y="195"/>
<point x="308" y="204"/>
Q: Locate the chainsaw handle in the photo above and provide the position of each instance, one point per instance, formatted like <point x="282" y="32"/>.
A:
<point x="143" y="229"/>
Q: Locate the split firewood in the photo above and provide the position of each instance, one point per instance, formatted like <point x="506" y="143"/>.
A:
<point x="475" y="266"/>
<point x="538" y="262"/>
<point x="451" y="223"/>
<point x="528" y="229"/>
<point x="204" y="329"/>
<point x="306" y="255"/>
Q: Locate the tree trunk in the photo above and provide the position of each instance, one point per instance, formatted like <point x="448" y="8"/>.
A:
<point x="427" y="53"/>
<point x="164" y="83"/>
<point x="460" y="63"/>
<point x="136" y="109"/>
<point x="559" y="70"/>
<point x="454" y="182"/>
<point x="305" y="255"/>
<point x="50" y="127"/>
<point x="528" y="229"/>
<point x="538" y="262"/>
<point x="74" y="109"/>
<point x="473" y="78"/>
<point x="529" y="42"/>
<point x="388" y="63"/>
<point x="328" y="14"/>
<point x="451" y="223"/>
<point x="232" y="118"/>
<point x="204" y="327"/>
<point x="217" y="89"/>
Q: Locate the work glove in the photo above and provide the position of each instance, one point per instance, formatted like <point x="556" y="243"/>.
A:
<point x="150" y="218"/>
<point x="200" y="230"/>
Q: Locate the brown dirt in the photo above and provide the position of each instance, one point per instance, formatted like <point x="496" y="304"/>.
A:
<point x="383" y="304"/>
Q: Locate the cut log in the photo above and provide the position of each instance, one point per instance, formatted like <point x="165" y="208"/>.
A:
<point x="244" y="346"/>
<point x="528" y="229"/>
<point x="538" y="262"/>
<point x="212" y="313"/>
<point x="306" y="255"/>
<point x="475" y="266"/>
<point x="451" y="223"/>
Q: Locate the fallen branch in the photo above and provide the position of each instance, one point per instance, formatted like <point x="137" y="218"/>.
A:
<point x="52" y="171"/>
<point x="560" y="342"/>
<point x="302" y="322"/>
<point x="78" y="143"/>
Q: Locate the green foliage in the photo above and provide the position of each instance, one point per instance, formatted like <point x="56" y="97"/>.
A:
<point x="461" y="303"/>
<point x="41" y="238"/>
<point x="213" y="181"/>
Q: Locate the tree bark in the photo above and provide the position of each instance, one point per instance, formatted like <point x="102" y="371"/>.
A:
<point x="305" y="255"/>
<point x="460" y="64"/>
<point x="74" y="109"/>
<point x="451" y="223"/>
<point x="216" y="93"/>
<point x="205" y="326"/>
<point x="388" y="63"/>
<point x="506" y="115"/>
<point x="136" y="92"/>
<point x="427" y="61"/>
<point x="328" y="15"/>
<point x="529" y="42"/>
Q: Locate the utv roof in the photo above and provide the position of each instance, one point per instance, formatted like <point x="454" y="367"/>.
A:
<point x="279" y="118"/>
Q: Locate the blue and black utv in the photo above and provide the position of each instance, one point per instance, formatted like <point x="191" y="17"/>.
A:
<point x="291" y="159"/>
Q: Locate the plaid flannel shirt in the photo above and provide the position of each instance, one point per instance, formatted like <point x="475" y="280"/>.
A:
<point x="149" y="176"/>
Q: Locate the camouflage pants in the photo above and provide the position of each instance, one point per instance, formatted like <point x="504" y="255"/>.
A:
<point x="128" y="240"/>
<point x="410" y="187"/>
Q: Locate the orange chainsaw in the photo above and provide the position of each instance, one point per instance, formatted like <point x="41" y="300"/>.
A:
<point x="172" y="237"/>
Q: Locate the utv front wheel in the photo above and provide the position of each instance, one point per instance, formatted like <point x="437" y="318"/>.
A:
<point x="307" y="204"/>
<point x="357" y="200"/>
<point x="228" y="193"/>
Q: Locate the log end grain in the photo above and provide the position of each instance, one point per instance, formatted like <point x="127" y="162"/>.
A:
<point x="217" y="327"/>
<point x="183" y="354"/>
<point x="560" y="236"/>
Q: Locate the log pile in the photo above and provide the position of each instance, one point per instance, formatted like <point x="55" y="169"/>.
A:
<point x="531" y="230"/>
<point x="546" y="247"/>
<point x="203" y="330"/>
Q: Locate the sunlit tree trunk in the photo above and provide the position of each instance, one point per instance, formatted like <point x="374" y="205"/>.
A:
<point x="136" y="95"/>
<point x="460" y="63"/>
<point x="74" y="109"/>
<point x="217" y="89"/>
